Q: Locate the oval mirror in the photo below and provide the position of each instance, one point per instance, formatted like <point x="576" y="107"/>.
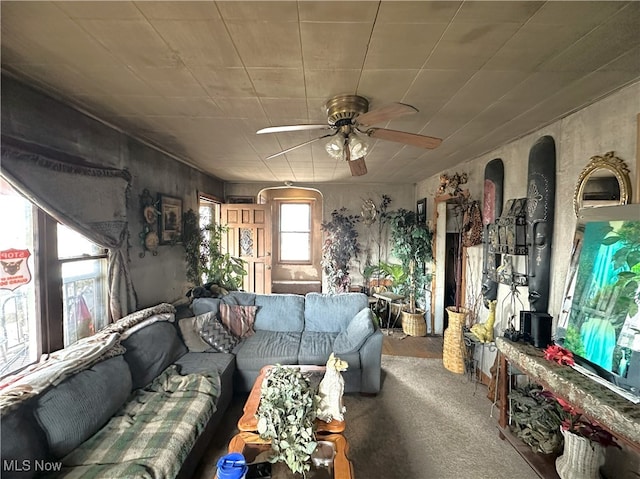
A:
<point x="604" y="182"/>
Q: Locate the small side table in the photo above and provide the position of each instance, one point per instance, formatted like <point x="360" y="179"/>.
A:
<point x="472" y="342"/>
<point x="389" y="299"/>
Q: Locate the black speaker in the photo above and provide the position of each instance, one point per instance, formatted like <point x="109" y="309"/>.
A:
<point x="535" y="328"/>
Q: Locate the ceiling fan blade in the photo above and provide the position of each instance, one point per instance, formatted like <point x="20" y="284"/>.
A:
<point x="413" y="139"/>
<point x="280" y="129"/>
<point x="389" y="112"/>
<point x="358" y="167"/>
<point x="298" y="146"/>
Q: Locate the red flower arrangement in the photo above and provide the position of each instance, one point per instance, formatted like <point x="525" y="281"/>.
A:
<point x="559" y="355"/>
<point x="575" y="422"/>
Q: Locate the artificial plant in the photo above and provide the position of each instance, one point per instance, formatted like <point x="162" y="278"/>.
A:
<point x="339" y="248"/>
<point x="205" y="260"/>
<point x="412" y="242"/>
<point x="286" y="416"/>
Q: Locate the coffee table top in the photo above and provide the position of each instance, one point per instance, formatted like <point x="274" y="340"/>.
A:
<point x="249" y="422"/>
<point x="250" y="445"/>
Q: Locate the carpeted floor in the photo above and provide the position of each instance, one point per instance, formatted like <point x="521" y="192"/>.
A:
<point x="425" y="423"/>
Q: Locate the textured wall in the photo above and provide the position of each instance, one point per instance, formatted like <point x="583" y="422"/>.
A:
<point x="350" y="196"/>
<point x="33" y="117"/>
<point x="608" y="125"/>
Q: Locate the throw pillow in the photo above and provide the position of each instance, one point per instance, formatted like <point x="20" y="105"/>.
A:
<point x="190" y="329"/>
<point x="217" y="336"/>
<point x="352" y="338"/>
<point x="238" y="319"/>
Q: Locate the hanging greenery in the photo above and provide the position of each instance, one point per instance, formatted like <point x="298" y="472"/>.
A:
<point x="339" y="248"/>
<point x="206" y="263"/>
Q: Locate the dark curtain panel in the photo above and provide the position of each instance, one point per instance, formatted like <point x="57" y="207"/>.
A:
<point x="88" y="198"/>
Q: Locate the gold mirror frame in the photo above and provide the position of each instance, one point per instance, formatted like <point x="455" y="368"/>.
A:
<point x="608" y="162"/>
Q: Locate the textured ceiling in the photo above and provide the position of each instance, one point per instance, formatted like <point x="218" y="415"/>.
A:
<point x="198" y="79"/>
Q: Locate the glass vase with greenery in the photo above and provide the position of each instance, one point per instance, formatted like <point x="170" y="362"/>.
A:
<point x="340" y="247"/>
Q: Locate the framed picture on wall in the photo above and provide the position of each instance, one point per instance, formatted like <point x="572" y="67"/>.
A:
<point x="421" y="211"/>
<point x="170" y="219"/>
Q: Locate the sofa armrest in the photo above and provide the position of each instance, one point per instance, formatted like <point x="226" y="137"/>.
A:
<point x="371" y="363"/>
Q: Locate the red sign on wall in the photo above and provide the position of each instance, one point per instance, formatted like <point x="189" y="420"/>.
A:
<point x="15" y="268"/>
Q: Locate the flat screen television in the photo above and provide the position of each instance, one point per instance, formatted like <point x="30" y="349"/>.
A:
<point x="600" y="316"/>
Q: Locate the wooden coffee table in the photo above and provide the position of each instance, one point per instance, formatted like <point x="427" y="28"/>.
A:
<point x="250" y="444"/>
<point x="249" y="422"/>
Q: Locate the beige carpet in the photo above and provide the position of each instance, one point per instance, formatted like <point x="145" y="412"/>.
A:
<point x="426" y="423"/>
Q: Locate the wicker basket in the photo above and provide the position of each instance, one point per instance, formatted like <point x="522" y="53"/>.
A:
<point x="413" y="324"/>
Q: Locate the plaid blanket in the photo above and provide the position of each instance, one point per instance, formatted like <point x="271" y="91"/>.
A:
<point x="152" y="434"/>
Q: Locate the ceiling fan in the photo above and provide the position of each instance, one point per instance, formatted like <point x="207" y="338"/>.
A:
<point x="349" y="120"/>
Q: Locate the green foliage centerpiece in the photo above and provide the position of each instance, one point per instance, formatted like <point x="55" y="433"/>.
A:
<point x="286" y="415"/>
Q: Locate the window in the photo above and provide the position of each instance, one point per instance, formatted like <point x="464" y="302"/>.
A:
<point x="61" y="277"/>
<point x="84" y="287"/>
<point x="295" y="233"/>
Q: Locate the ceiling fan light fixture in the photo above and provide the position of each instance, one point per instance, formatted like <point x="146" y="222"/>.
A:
<point x="335" y="146"/>
<point x="357" y="146"/>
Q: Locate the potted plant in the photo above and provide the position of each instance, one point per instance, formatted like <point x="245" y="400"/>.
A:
<point x="206" y="263"/>
<point x="412" y="241"/>
<point x="286" y="416"/>
<point x="340" y="247"/>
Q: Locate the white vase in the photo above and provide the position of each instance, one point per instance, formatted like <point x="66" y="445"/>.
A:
<point x="581" y="458"/>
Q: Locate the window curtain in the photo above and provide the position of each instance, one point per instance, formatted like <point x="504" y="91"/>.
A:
<point x="88" y="198"/>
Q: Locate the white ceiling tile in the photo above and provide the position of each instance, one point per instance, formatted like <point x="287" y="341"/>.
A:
<point x="343" y="11"/>
<point x="261" y="11"/>
<point x="497" y="12"/>
<point x="199" y="42"/>
<point x="468" y="46"/>
<point x="323" y="45"/>
<point x="417" y="12"/>
<point x="278" y="82"/>
<point x="184" y="10"/>
<point x="120" y="10"/>
<point x="224" y="82"/>
<point x="402" y="45"/>
<point x="118" y="36"/>
<point x="385" y="86"/>
<point x="328" y="83"/>
<point x="170" y="81"/>
<point x="267" y="45"/>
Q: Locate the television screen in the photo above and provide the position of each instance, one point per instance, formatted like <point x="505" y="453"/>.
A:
<point x="600" y="320"/>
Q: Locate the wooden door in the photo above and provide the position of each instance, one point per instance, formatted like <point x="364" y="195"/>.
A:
<point x="249" y="238"/>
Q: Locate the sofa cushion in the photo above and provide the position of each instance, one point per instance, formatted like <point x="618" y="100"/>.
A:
<point x="150" y="350"/>
<point x="240" y="297"/>
<point x="190" y="329"/>
<point x="316" y="347"/>
<point x="359" y="329"/>
<point x="280" y="312"/>
<point x="75" y="409"/>
<point x="202" y="363"/>
<point x="218" y="336"/>
<point x="267" y="347"/>
<point x="206" y="305"/>
<point x="22" y="439"/>
<point x="331" y="313"/>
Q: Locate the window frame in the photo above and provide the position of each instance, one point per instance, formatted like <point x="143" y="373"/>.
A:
<point x="296" y="201"/>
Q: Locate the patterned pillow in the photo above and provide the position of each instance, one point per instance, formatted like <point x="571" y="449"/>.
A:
<point x="238" y="319"/>
<point x="217" y="336"/>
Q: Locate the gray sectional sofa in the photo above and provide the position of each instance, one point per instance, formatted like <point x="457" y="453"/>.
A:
<point x="137" y="401"/>
<point x="99" y="418"/>
<point x="295" y="329"/>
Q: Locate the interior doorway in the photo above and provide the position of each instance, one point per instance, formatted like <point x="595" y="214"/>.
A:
<point x="296" y="219"/>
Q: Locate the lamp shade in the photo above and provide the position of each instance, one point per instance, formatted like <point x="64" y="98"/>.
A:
<point x="358" y="147"/>
<point x="335" y="146"/>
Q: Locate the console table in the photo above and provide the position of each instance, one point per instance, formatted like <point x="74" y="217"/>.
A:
<point x="613" y="412"/>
